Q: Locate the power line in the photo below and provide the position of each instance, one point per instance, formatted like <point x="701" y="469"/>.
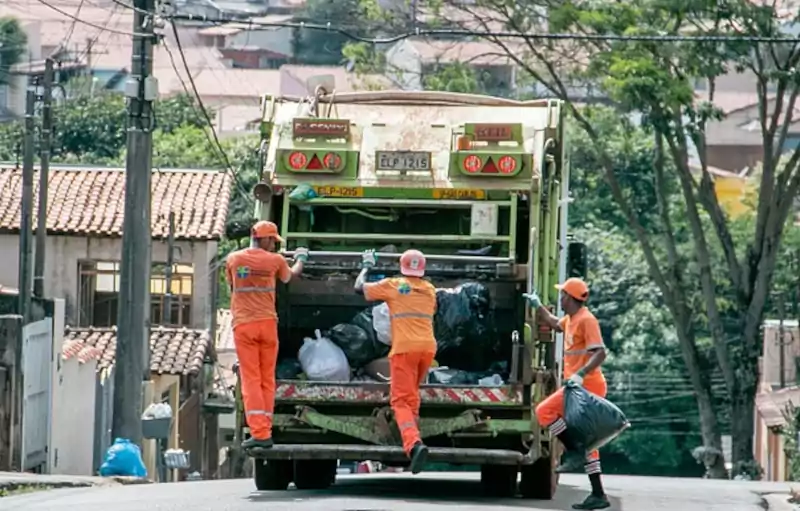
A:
<point x="89" y="23"/>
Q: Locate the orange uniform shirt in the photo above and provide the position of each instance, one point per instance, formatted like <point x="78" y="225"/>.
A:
<point x="581" y="336"/>
<point x="412" y="304"/>
<point x="252" y="274"/>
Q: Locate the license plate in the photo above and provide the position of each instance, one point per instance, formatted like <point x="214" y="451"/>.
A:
<point x="402" y="160"/>
<point x="339" y="191"/>
<point x="458" y="194"/>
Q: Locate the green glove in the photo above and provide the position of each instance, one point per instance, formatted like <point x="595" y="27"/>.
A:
<point x="301" y="254"/>
<point x="368" y="259"/>
<point x="533" y="299"/>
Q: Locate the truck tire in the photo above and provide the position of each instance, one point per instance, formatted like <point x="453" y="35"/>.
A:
<point x="272" y="475"/>
<point x="539" y="480"/>
<point x="499" y="480"/>
<point x="314" y="474"/>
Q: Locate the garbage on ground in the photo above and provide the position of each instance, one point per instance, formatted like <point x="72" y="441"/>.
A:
<point x="593" y="420"/>
<point x="176" y="459"/>
<point x="322" y="360"/>
<point x="157" y="411"/>
<point x="123" y="459"/>
<point x="288" y="369"/>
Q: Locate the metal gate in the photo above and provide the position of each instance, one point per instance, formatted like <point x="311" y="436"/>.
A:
<point x="37" y="357"/>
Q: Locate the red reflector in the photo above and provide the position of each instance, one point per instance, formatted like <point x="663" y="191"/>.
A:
<point x="298" y="160"/>
<point x="507" y="165"/>
<point x="490" y="168"/>
<point x="472" y="163"/>
<point x="314" y="164"/>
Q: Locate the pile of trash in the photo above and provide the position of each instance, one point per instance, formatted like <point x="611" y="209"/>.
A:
<point x="358" y="350"/>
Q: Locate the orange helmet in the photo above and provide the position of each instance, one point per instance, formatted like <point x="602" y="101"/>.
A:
<point x="412" y="263"/>
<point x="264" y="229"/>
<point x="575" y="288"/>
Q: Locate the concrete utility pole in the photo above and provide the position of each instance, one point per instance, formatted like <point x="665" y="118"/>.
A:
<point x="44" y="177"/>
<point x="167" y="320"/>
<point x="26" y="217"/>
<point x="132" y="367"/>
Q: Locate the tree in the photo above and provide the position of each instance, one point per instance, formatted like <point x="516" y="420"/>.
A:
<point x="12" y="45"/>
<point x="655" y="79"/>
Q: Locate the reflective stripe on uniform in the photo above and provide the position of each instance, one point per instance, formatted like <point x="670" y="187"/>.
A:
<point x="254" y="289"/>
<point x="406" y="425"/>
<point x="259" y="412"/>
<point x="418" y="315"/>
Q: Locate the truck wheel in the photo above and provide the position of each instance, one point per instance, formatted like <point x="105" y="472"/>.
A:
<point x="499" y="480"/>
<point x="539" y="480"/>
<point x="272" y="474"/>
<point x="314" y="474"/>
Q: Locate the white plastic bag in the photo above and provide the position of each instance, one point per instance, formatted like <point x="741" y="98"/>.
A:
<point x="322" y="360"/>
<point x="382" y="323"/>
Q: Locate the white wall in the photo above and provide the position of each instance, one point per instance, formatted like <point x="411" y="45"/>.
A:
<point x="64" y="253"/>
<point x="278" y="40"/>
<point x="73" y="414"/>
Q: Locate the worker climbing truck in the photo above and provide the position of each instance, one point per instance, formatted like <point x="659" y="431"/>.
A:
<point x="480" y="185"/>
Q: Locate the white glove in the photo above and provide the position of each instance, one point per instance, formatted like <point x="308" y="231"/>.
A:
<point x="577" y="379"/>
<point x="301" y="254"/>
<point x="368" y="259"/>
<point x="533" y="299"/>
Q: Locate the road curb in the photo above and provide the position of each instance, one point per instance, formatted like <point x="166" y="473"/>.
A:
<point x="14" y="482"/>
<point x="779" y="502"/>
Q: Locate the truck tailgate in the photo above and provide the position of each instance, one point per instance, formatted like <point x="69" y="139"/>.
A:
<point x="308" y="392"/>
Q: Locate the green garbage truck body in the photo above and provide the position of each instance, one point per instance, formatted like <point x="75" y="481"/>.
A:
<point x="479" y="184"/>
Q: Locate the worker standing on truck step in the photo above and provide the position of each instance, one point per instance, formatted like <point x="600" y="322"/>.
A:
<point x="412" y="304"/>
<point x="252" y="274"/>
<point x="584" y="351"/>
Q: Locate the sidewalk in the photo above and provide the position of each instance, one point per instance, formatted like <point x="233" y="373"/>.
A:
<point x="11" y="481"/>
<point x="780" y="502"/>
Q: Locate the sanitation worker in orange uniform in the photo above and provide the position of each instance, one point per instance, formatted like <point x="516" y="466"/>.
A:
<point x="584" y="351"/>
<point x="412" y="304"/>
<point x="252" y="275"/>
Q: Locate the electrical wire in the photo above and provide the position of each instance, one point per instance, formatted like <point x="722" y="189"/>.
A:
<point x="89" y="23"/>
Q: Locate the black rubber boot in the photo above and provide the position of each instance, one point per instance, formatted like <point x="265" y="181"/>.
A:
<point x="255" y="443"/>
<point x="573" y="458"/>
<point x="419" y="455"/>
<point x="593" y="502"/>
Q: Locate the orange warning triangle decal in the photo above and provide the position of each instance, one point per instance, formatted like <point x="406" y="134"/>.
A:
<point x="314" y="164"/>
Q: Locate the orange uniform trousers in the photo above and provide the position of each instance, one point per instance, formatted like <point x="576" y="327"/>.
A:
<point x="550" y="413"/>
<point x="257" y="350"/>
<point x="408" y="371"/>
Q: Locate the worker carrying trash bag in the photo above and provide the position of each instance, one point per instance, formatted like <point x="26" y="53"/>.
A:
<point x="252" y="274"/>
<point x="584" y="352"/>
<point x="412" y="304"/>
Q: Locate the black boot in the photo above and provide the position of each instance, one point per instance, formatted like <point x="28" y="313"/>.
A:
<point x="573" y="457"/>
<point x="593" y="502"/>
<point x="419" y="455"/>
<point x="256" y="443"/>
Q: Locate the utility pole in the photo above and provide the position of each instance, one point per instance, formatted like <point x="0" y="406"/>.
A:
<point x="44" y="178"/>
<point x="135" y="267"/>
<point x="26" y="219"/>
<point x="168" y="271"/>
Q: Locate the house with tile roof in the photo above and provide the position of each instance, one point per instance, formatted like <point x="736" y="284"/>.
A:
<point x="84" y="240"/>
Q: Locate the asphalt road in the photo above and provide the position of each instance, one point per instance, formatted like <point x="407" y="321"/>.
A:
<point x="400" y="492"/>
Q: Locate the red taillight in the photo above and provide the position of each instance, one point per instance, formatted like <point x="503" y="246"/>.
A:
<point x="507" y="165"/>
<point x="332" y="161"/>
<point x="298" y="161"/>
<point x="472" y="163"/>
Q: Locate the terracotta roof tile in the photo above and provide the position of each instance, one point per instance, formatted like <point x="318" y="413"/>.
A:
<point x="172" y="350"/>
<point x="91" y="201"/>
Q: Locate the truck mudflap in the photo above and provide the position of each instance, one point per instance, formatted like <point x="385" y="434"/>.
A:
<point x="378" y="393"/>
<point x="391" y="454"/>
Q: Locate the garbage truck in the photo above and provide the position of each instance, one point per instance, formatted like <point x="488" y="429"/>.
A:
<point x="480" y="185"/>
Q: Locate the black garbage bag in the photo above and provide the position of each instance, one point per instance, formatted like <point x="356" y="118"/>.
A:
<point x="463" y="327"/>
<point x="288" y="369"/>
<point x="360" y="347"/>
<point x="593" y="421"/>
<point x="364" y="320"/>
<point x="452" y="377"/>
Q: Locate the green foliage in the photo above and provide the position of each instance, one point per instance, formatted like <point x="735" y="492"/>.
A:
<point x="453" y="77"/>
<point x="316" y="47"/>
<point x="12" y="45"/>
<point x="791" y="447"/>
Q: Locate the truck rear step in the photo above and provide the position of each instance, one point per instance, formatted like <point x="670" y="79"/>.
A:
<point x="391" y="454"/>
